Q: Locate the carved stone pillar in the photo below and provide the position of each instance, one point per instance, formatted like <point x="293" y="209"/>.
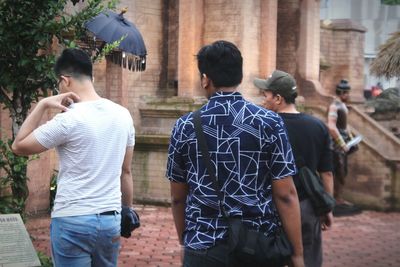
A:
<point x="269" y="16"/>
<point x="190" y="36"/>
<point x="308" y="49"/>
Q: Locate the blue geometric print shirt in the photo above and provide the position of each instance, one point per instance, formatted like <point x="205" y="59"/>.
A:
<point x="249" y="147"/>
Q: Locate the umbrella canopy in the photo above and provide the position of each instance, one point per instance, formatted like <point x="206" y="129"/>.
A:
<point x="111" y="27"/>
<point x="387" y="62"/>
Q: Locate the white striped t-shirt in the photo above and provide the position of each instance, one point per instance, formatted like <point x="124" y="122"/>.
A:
<point x="91" y="139"/>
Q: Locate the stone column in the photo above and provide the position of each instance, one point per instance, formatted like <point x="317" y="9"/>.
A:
<point x="308" y="49"/>
<point x="298" y="47"/>
<point x="257" y="41"/>
<point x="190" y="36"/>
<point x="269" y="19"/>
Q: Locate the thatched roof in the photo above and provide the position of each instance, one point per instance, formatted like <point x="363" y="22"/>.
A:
<point x="387" y="62"/>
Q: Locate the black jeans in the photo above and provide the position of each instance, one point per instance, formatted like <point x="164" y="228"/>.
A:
<point x="217" y="256"/>
<point x="311" y="232"/>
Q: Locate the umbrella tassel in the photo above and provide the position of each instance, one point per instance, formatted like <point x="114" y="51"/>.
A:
<point x="142" y="63"/>
<point x="132" y="63"/>
<point x="119" y="58"/>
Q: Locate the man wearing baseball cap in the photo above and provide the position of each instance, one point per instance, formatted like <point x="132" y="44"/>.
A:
<point x="310" y="142"/>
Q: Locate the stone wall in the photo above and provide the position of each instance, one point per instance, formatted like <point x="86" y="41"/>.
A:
<point x="149" y="165"/>
<point x="372" y="180"/>
<point x="342" y="56"/>
<point x="389" y="120"/>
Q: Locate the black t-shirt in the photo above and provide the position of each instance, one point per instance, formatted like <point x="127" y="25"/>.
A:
<point x="310" y="142"/>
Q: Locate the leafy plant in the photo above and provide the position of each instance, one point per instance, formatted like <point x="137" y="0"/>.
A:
<point x="14" y="169"/>
<point x="45" y="261"/>
<point x="53" y="188"/>
<point x="30" y="32"/>
<point x="390" y="2"/>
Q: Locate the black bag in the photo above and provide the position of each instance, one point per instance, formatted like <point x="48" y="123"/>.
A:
<point x="321" y="201"/>
<point x="254" y="248"/>
<point x="129" y="221"/>
<point x="249" y="246"/>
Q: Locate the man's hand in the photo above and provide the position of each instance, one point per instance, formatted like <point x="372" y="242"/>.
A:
<point x="61" y="101"/>
<point x="129" y="221"/>
<point x="25" y="143"/>
<point x="326" y="221"/>
<point x="285" y="197"/>
<point x="296" y="261"/>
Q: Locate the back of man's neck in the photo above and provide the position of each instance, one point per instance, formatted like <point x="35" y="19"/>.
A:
<point x="226" y="89"/>
<point x="291" y="109"/>
<point x="86" y="92"/>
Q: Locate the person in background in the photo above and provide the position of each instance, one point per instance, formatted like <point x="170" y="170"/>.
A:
<point x="337" y="124"/>
<point x="249" y="148"/>
<point x="94" y="139"/>
<point x="310" y="141"/>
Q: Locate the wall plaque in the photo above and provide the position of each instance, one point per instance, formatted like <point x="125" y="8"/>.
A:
<point x="16" y="249"/>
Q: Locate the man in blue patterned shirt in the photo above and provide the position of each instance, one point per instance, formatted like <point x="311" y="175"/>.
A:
<point x="249" y="148"/>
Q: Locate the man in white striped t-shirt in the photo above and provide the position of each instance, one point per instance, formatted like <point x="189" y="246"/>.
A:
<point x="94" y="139"/>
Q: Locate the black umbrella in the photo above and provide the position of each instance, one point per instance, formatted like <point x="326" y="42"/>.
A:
<point x="110" y="27"/>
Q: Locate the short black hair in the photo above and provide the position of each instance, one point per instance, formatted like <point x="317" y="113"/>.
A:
<point x="74" y="62"/>
<point x="222" y="62"/>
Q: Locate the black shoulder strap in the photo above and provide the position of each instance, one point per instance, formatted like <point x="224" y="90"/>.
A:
<point x="206" y="157"/>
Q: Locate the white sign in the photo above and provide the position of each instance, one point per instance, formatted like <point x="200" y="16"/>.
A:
<point x="16" y="249"/>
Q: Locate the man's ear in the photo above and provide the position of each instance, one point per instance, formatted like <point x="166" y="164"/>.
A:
<point x="204" y="81"/>
<point x="279" y="99"/>
<point x="66" y="80"/>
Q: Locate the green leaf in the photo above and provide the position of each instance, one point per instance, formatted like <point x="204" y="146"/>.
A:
<point x="390" y="2"/>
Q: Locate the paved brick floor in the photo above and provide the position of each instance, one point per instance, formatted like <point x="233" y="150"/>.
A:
<point x="368" y="239"/>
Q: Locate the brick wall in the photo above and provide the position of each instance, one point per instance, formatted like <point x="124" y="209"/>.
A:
<point x="342" y="50"/>
<point x="149" y="179"/>
<point x="369" y="181"/>
<point x="389" y="120"/>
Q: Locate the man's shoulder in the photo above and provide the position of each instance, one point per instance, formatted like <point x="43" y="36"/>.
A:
<point x="312" y="118"/>
<point x="112" y="104"/>
<point x="116" y="107"/>
<point x="184" y="120"/>
<point x="300" y="116"/>
<point x="305" y="119"/>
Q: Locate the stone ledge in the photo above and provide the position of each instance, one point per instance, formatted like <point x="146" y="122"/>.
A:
<point x="342" y="25"/>
<point x="175" y="105"/>
<point x="152" y="142"/>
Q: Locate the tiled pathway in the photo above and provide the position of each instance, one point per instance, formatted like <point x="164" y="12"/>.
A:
<point x="368" y="239"/>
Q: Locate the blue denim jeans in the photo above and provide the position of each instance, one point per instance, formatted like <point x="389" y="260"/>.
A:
<point x="89" y="240"/>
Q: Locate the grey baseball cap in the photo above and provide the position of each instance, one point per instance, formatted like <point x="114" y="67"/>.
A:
<point x="279" y="82"/>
